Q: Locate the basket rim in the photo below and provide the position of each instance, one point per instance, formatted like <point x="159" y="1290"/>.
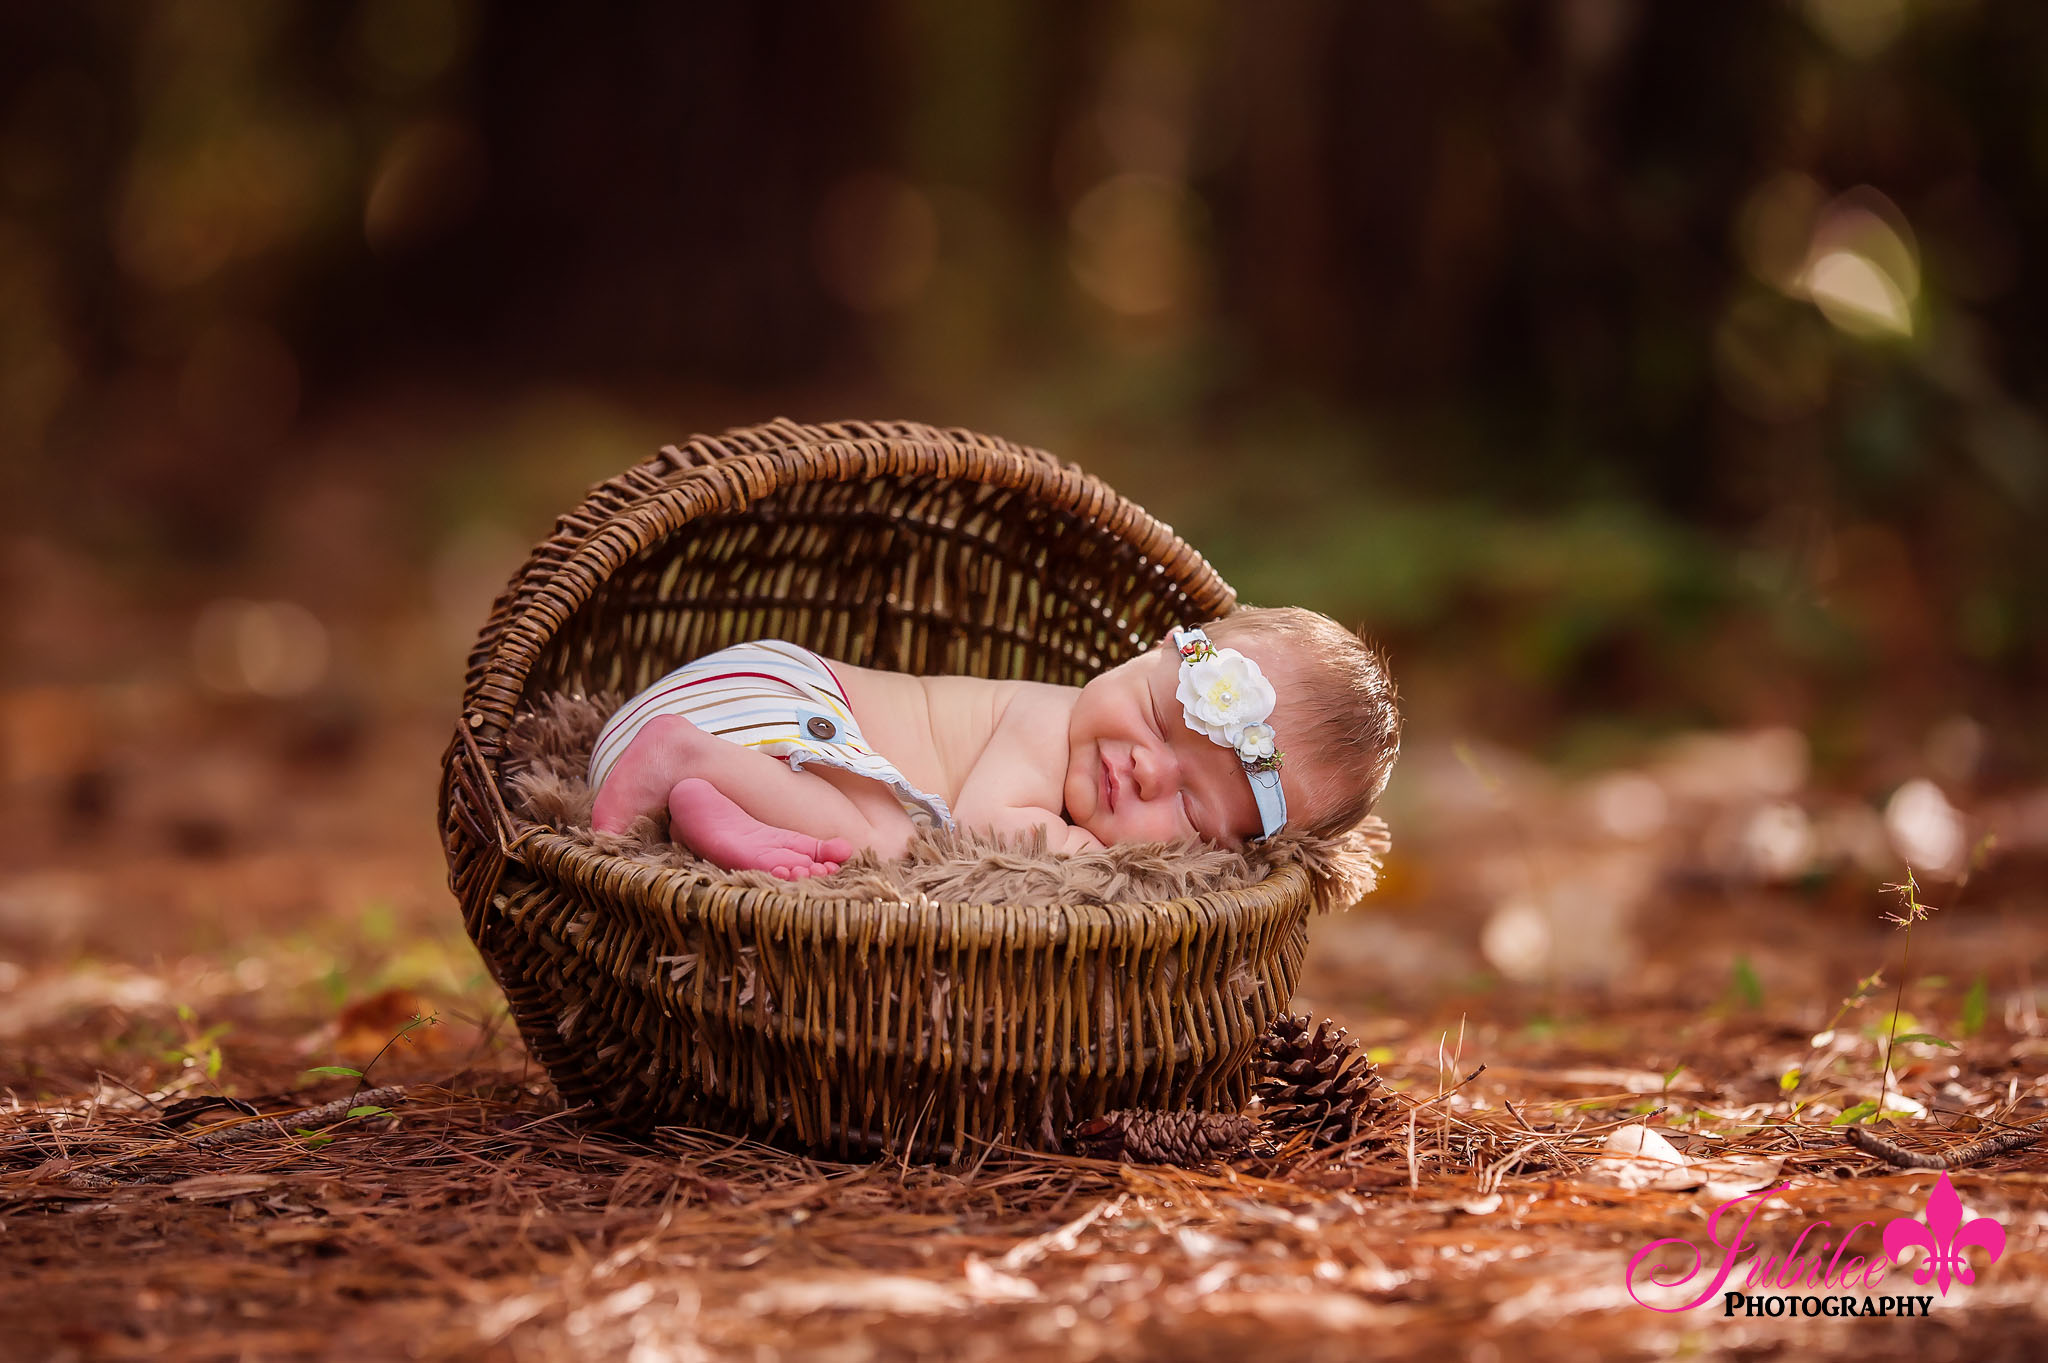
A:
<point x="736" y="481"/>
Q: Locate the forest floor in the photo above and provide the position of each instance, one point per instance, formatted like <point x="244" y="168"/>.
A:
<point x="246" y="892"/>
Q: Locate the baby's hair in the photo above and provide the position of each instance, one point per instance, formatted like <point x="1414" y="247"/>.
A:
<point x="1338" y="715"/>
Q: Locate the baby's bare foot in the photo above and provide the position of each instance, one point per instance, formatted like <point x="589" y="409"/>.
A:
<point x="831" y="851"/>
<point x="706" y="821"/>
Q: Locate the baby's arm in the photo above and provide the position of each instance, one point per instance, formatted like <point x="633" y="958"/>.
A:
<point x="1060" y="836"/>
<point x="1012" y="787"/>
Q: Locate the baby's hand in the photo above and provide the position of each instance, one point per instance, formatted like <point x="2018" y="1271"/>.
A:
<point x="1060" y="836"/>
<point x="1075" y="839"/>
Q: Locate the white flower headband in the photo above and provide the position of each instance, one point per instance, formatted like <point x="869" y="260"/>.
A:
<point x="1227" y="699"/>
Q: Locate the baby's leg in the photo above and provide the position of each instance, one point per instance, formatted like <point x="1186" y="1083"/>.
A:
<point x="708" y="822"/>
<point x="814" y="817"/>
<point x="643" y="775"/>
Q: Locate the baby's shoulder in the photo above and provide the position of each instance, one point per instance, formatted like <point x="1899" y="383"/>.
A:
<point x="1032" y="704"/>
<point x="990" y="704"/>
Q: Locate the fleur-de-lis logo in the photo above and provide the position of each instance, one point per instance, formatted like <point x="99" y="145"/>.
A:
<point x="1944" y="1236"/>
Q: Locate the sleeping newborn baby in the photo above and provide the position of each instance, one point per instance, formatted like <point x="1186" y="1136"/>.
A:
<point x="770" y="757"/>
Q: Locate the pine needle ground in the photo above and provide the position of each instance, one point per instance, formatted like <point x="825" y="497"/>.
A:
<point x="475" y="1219"/>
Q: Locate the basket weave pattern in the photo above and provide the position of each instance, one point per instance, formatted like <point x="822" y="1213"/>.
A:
<point x="850" y="1028"/>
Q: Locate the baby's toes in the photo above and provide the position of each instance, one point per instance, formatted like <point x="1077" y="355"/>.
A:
<point x="812" y="849"/>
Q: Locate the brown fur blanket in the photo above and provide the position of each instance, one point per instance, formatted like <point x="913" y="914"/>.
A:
<point x="548" y="754"/>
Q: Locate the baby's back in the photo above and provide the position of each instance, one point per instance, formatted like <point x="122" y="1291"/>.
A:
<point x="934" y="728"/>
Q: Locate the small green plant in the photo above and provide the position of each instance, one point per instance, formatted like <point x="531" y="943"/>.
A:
<point x="377" y="922"/>
<point x="196" y="1049"/>
<point x="1744" y="984"/>
<point x="1791" y="1079"/>
<point x="315" y="1139"/>
<point x="1911" y="911"/>
<point x="361" y="1076"/>
<point x="1976" y="1004"/>
<point x="334" y="984"/>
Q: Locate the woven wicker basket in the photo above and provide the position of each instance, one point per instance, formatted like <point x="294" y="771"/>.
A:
<point x="876" y="1026"/>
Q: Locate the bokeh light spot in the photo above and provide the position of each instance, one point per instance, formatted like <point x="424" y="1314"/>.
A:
<point x="1853" y="293"/>
<point x="1131" y="246"/>
<point x="186" y="211"/>
<point x="165" y="232"/>
<point x="1857" y="28"/>
<point x="427" y="181"/>
<point x="411" y="42"/>
<point x="1924" y="829"/>
<point x="1777" y="841"/>
<point x="1628" y="805"/>
<point x="276" y="649"/>
<point x="1516" y="940"/>
<point x="1863" y="270"/>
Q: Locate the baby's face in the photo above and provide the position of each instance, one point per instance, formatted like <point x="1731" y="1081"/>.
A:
<point x="1137" y="773"/>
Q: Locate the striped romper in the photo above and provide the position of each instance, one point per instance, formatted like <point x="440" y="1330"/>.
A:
<point x="775" y="697"/>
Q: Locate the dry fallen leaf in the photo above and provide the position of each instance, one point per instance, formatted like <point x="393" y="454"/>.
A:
<point x="365" y="1026"/>
<point x="1637" y="1157"/>
<point x="985" y="1282"/>
<point x="220" y="1187"/>
<point x="889" y="1293"/>
<point x="1733" y="1175"/>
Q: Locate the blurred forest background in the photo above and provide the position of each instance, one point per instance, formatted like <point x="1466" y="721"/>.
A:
<point x="1629" y="369"/>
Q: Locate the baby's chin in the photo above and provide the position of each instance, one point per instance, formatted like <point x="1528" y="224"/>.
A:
<point x="1074" y="786"/>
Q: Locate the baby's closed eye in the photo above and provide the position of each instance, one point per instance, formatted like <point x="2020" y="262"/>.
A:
<point x="1187" y="817"/>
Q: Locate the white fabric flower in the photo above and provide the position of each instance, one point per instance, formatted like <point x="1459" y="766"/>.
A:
<point x="1256" y="741"/>
<point x="1224" y="693"/>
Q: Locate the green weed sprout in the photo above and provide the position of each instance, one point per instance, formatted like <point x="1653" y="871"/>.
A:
<point x="1911" y="911"/>
<point x="361" y="1076"/>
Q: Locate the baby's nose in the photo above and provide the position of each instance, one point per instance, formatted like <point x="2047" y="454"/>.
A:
<point x="1156" y="772"/>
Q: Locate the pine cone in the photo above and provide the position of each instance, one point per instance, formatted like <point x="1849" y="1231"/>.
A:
<point x="1141" y="1137"/>
<point x="1316" y="1081"/>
